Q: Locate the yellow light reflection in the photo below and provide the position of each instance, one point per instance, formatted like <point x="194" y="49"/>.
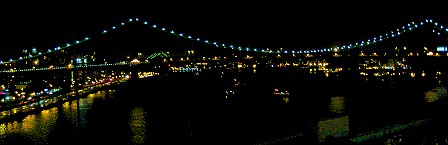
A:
<point x="337" y="104"/>
<point x="34" y="127"/>
<point x="137" y="125"/>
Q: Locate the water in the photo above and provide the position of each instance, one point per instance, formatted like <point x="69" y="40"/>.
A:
<point x="237" y="108"/>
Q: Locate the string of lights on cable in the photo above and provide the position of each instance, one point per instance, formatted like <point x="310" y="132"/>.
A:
<point x="394" y="33"/>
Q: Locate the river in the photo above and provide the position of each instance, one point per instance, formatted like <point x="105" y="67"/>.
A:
<point x="242" y="107"/>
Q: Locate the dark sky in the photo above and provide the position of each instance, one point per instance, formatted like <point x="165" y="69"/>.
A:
<point x="274" y="24"/>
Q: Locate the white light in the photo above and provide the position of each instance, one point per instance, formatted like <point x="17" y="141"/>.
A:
<point x="113" y="27"/>
<point x="154" y="26"/>
<point x="145" y="23"/>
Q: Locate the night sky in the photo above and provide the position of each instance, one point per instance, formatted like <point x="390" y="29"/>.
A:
<point x="274" y="24"/>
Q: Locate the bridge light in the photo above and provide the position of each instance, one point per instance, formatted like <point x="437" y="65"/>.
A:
<point x="136" y="19"/>
<point x="181" y="34"/>
<point x="145" y="23"/>
<point x="206" y="41"/>
<point x="435" y="23"/>
<point x="214" y="43"/>
<point x="172" y="32"/>
<point x="86" y="38"/>
<point x="163" y="29"/>
<point x="122" y="24"/>
<point x="189" y="37"/>
<point x="130" y="20"/>
<point x="154" y="26"/>
<point x="113" y="27"/>
<point x="77" y="41"/>
<point x="198" y="39"/>
<point x="104" y="31"/>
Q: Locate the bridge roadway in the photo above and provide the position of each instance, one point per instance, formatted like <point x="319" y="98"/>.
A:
<point x="416" y="62"/>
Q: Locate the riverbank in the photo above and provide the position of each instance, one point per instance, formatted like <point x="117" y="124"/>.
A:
<point x="18" y="113"/>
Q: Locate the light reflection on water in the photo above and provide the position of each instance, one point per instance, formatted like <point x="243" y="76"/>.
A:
<point x="137" y="123"/>
<point x="337" y="104"/>
<point x="36" y="128"/>
<point x="33" y="127"/>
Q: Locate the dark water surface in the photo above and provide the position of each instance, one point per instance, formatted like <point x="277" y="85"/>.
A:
<point x="237" y="108"/>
